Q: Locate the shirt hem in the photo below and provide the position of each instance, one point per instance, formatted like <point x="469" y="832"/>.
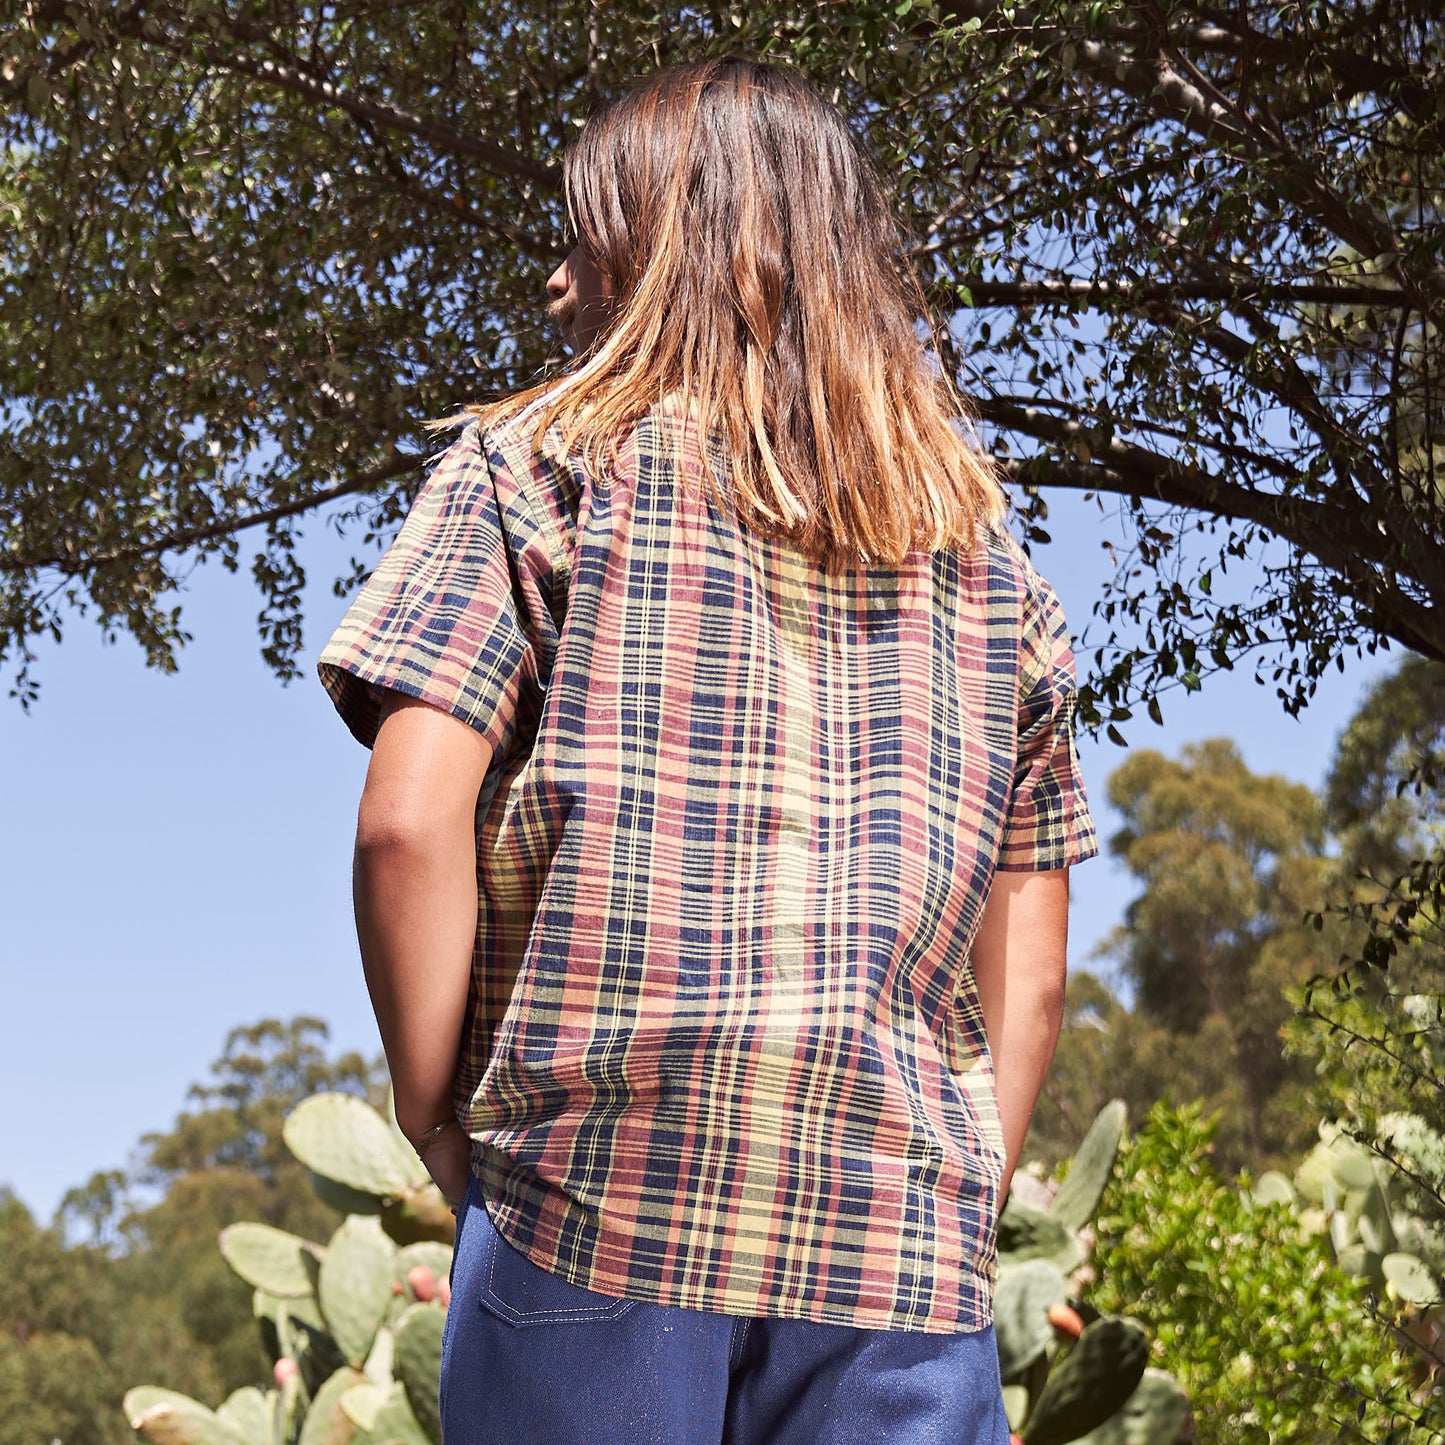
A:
<point x="975" y="1298"/>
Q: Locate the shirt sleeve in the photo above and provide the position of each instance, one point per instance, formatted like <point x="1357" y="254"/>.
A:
<point x="1048" y="824"/>
<point x="439" y="619"/>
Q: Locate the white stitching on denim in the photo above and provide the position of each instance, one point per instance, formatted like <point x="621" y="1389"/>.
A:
<point x="740" y="1340"/>
<point x="577" y="1312"/>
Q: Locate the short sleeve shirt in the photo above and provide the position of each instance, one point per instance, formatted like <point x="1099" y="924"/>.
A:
<point x="723" y="1045"/>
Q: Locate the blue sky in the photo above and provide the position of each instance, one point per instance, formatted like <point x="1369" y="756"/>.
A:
<point x="176" y="859"/>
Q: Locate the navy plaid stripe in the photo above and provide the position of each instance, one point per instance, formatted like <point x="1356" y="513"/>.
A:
<point x="724" y="1048"/>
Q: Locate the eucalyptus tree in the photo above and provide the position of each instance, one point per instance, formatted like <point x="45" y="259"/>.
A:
<point x="1191" y="258"/>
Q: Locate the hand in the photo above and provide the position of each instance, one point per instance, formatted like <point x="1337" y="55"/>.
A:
<point x="448" y="1160"/>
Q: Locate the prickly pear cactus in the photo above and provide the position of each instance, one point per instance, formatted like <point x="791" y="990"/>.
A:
<point x="1068" y="1373"/>
<point x="1093" y="1381"/>
<point x="1078" y="1197"/>
<point x="344" y="1139"/>
<point x="1347" y="1194"/>
<point x="1153" y="1415"/>
<point x="353" y="1327"/>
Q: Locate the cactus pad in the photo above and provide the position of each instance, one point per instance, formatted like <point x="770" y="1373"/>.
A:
<point x="1410" y="1279"/>
<point x="248" y="1412"/>
<point x="355" y="1285"/>
<point x="1028" y="1233"/>
<point x="326" y="1423"/>
<point x="395" y="1424"/>
<point x="345" y="1139"/>
<point x="1153" y="1415"/>
<point x="420" y="1214"/>
<point x="419" y="1364"/>
<point x="436" y="1256"/>
<point x="1021" y="1304"/>
<point x="165" y="1417"/>
<point x="1083" y="1185"/>
<point x="1090" y="1383"/>
<point x="1272" y="1188"/>
<point x="342" y="1198"/>
<point x="361" y="1403"/>
<point x="378" y="1364"/>
<point x="270" y="1259"/>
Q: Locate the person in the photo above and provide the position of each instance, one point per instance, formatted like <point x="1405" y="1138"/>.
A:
<point x="712" y="863"/>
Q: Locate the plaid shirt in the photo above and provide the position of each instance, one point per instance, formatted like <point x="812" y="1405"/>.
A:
<point x="723" y="1046"/>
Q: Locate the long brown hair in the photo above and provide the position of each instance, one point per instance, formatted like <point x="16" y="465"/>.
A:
<point x="758" y="278"/>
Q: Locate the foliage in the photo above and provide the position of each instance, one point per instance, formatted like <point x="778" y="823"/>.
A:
<point x="1066" y="1378"/>
<point x="1353" y="1199"/>
<point x="223" y="1156"/>
<point x="1272" y="1341"/>
<point x="138" y="1289"/>
<point x="1251" y="890"/>
<point x="1195" y="261"/>
<point x="71" y="1334"/>
<point x="1227" y="861"/>
<point x="352" y="1329"/>
<point x="1377" y="1039"/>
<point x="1106" y="1048"/>
<point x="1385" y="802"/>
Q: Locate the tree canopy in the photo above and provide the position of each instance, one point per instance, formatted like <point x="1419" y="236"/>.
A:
<point x="1228" y="957"/>
<point x="1192" y="257"/>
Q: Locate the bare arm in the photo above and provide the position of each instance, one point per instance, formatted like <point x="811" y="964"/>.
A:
<point x="1018" y="964"/>
<point x="415" y="893"/>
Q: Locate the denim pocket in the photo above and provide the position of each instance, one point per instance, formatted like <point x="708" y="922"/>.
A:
<point x="519" y="1292"/>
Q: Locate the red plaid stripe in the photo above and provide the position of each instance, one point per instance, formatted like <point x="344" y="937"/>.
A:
<point x="725" y="1048"/>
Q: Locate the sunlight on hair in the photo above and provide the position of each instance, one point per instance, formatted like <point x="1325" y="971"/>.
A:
<point x="758" y="275"/>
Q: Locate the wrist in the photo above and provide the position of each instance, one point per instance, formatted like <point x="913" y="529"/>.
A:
<point x="414" y="1119"/>
<point x="425" y="1140"/>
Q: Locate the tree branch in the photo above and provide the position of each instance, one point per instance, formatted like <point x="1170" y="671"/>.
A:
<point x="1321" y="531"/>
<point x="1067" y="292"/>
<point x="74" y="565"/>
<point x="1153" y="474"/>
<point x="133" y="23"/>
<point x="443" y="136"/>
<point x="1159" y="84"/>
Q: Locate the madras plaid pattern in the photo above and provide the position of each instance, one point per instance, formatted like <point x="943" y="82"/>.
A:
<point x="724" y="1048"/>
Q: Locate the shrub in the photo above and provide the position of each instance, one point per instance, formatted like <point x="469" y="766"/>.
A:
<point x="1271" y="1340"/>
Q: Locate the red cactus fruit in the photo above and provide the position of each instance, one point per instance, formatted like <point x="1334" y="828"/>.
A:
<point x="1067" y="1321"/>
<point x="422" y="1281"/>
<point x="284" y="1370"/>
<point x="397" y="1287"/>
<point x="444" y="1292"/>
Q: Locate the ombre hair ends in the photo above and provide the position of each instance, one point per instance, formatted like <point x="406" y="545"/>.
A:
<point x="759" y="282"/>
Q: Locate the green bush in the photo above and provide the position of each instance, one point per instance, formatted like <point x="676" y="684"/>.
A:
<point x="1271" y="1340"/>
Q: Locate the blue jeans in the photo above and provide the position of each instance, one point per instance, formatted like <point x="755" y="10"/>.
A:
<point x="528" y="1356"/>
